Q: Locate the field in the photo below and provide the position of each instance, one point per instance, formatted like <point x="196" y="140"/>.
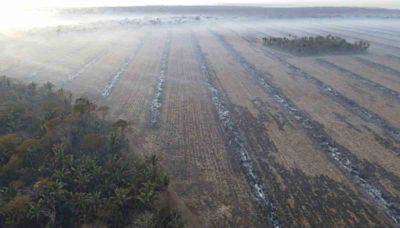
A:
<point x="249" y="135"/>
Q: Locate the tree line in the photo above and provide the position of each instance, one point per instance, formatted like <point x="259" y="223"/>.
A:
<point x="62" y="164"/>
<point x="316" y="45"/>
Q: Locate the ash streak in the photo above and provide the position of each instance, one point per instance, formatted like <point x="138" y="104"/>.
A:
<point x="236" y="139"/>
<point x="155" y="108"/>
<point x="110" y="85"/>
<point x="340" y="154"/>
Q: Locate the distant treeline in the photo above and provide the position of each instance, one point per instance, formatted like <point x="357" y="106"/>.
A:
<point x="316" y="45"/>
<point x="258" y="11"/>
<point x="63" y="165"/>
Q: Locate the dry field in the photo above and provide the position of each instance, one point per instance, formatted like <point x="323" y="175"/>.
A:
<point x="251" y="137"/>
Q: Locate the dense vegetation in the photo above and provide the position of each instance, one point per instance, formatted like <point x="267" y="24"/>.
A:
<point x="63" y="165"/>
<point x="317" y="45"/>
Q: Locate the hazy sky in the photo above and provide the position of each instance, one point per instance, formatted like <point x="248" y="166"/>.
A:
<point x="80" y="3"/>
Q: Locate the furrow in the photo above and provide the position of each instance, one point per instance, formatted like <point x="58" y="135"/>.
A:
<point x="393" y="57"/>
<point x="236" y="139"/>
<point x="155" y="108"/>
<point x="110" y="85"/>
<point x="89" y="64"/>
<point x="363" y="34"/>
<point x="346" y="102"/>
<point x="378" y="66"/>
<point x="85" y="67"/>
<point x="35" y="74"/>
<point x="388" y="92"/>
<point x="380" y="31"/>
<point x="376" y="43"/>
<point x="340" y="154"/>
<point x="343" y="34"/>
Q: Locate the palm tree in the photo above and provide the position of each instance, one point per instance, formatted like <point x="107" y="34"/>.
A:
<point x="147" y="194"/>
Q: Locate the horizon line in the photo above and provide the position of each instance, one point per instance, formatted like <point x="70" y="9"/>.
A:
<point x="272" y="6"/>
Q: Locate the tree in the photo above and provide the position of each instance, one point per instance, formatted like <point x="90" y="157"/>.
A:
<point x="49" y="86"/>
<point x="83" y="106"/>
<point x="103" y="110"/>
<point x="120" y="124"/>
<point x="315" y="45"/>
<point x="63" y="165"/>
<point x="92" y="142"/>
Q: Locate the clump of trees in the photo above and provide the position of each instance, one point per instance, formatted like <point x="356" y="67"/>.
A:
<point x="63" y="165"/>
<point x="316" y="45"/>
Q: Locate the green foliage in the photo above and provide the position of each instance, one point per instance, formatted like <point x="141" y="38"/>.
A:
<point x="317" y="45"/>
<point x="63" y="165"/>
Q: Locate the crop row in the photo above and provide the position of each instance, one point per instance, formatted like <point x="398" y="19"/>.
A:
<point x="236" y="139"/>
<point x="115" y="78"/>
<point x="340" y="154"/>
<point x="156" y="103"/>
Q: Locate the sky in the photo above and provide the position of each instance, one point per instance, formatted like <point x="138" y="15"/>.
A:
<point x="19" y="13"/>
<point x="285" y="3"/>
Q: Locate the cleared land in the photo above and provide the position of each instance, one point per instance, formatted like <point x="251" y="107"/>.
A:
<point x="251" y="136"/>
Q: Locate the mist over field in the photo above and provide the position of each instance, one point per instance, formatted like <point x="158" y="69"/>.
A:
<point x="260" y="117"/>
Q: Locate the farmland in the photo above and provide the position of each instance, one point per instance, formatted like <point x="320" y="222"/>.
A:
<point x="249" y="135"/>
